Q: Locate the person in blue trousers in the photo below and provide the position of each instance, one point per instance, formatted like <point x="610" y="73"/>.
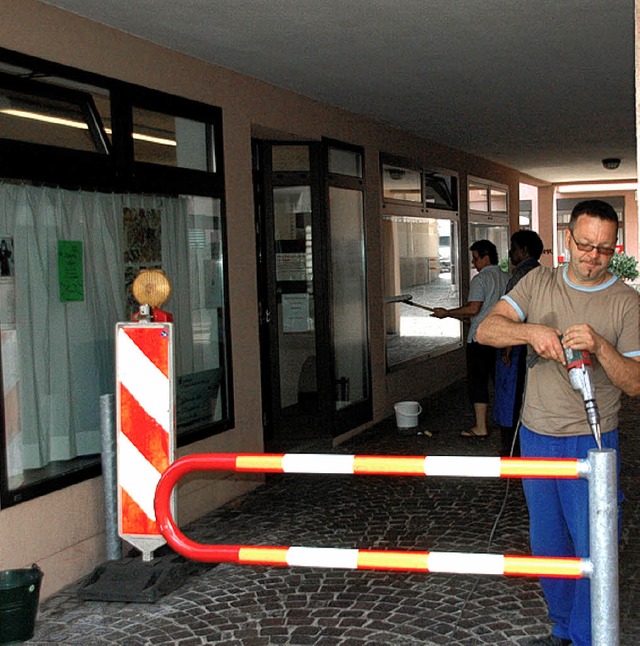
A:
<point x="580" y="306"/>
<point x="524" y="253"/>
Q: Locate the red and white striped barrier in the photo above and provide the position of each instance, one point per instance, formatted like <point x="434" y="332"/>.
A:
<point x="434" y="465"/>
<point x="599" y="469"/>
<point x="145" y="427"/>
<point x="451" y="562"/>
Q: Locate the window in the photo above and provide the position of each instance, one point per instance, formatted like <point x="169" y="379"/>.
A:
<point x="526" y="214"/>
<point x="441" y="190"/>
<point x="489" y="217"/>
<point x="290" y="159"/>
<point x="421" y="257"/>
<point x="345" y="162"/>
<point x="421" y="262"/>
<point x="51" y="115"/>
<point x="84" y="208"/>
<point x="170" y="140"/>
<point x="401" y="184"/>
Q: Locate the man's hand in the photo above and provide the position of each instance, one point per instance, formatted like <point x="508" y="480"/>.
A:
<point x="502" y="328"/>
<point x="624" y="372"/>
<point x="505" y="356"/>
<point x="440" y="312"/>
<point x="546" y="342"/>
<point x="582" y="337"/>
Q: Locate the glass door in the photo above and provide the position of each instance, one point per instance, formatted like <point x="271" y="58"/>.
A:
<point x="286" y="204"/>
<point x="312" y="298"/>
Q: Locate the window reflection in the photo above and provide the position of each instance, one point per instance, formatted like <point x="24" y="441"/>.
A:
<point x="167" y="139"/>
<point x="421" y="263"/>
<point x="401" y="184"/>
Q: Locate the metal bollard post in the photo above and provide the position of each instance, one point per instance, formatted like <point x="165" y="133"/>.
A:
<point x="603" y="545"/>
<point x="108" y="431"/>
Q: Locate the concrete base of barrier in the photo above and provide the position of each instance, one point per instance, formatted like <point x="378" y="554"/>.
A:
<point x="136" y="581"/>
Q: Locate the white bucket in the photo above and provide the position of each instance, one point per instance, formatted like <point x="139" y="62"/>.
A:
<point x="407" y="414"/>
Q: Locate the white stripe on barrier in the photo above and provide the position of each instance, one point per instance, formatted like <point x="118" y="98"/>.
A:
<point x="463" y="466"/>
<point x="317" y="463"/>
<point x="463" y="563"/>
<point x="137" y="476"/>
<point x="146" y="383"/>
<point x="327" y="557"/>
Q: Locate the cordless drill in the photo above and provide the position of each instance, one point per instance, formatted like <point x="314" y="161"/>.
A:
<point x="581" y="377"/>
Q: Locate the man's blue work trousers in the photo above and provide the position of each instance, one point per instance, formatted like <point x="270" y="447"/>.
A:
<point x="559" y="526"/>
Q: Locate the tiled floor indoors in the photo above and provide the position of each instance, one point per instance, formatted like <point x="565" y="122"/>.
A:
<point x="251" y="606"/>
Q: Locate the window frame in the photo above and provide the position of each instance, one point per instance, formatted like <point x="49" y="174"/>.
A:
<point x="115" y="171"/>
<point x="489" y="218"/>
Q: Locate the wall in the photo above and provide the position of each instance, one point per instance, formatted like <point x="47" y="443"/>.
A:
<point x="63" y="531"/>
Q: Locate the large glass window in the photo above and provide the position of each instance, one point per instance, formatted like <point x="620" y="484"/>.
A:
<point x="72" y="256"/>
<point x="150" y="198"/>
<point x="421" y="257"/>
<point x="420" y="263"/>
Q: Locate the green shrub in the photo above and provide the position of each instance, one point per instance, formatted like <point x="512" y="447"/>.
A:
<point x="624" y="266"/>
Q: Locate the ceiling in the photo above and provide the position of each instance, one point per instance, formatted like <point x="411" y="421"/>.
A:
<point x="546" y="87"/>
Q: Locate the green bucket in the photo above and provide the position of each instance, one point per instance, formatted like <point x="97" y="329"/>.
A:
<point x="19" y="596"/>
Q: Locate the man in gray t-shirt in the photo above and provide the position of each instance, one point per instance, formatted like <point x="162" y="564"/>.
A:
<point x="580" y="306"/>
<point x="485" y="290"/>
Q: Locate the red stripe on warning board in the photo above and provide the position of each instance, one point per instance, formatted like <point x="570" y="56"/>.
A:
<point x="134" y="520"/>
<point x="154" y="343"/>
<point x="143" y="431"/>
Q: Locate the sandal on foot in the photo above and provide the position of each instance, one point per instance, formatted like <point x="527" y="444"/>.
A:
<point x="472" y="433"/>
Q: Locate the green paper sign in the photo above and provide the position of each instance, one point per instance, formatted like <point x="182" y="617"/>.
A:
<point x="70" y="270"/>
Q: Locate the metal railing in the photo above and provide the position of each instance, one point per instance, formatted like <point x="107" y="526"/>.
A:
<point x="599" y="469"/>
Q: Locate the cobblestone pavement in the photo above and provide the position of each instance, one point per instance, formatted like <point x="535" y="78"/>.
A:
<point x="253" y="606"/>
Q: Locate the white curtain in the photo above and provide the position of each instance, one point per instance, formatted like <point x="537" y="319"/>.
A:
<point x="65" y="350"/>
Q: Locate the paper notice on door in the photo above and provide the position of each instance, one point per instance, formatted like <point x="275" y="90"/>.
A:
<point x="291" y="266"/>
<point x="295" y="313"/>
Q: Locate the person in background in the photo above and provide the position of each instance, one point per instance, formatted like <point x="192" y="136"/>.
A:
<point x="578" y="306"/>
<point x="524" y="253"/>
<point x="486" y="287"/>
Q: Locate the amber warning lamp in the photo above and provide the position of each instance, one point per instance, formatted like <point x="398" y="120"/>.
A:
<point x="152" y="289"/>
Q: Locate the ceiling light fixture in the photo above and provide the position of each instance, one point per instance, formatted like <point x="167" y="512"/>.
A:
<point x="611" y="163"/>
<point x="598" y="188"/>
<point x="34" y="116"/>
<point x="396" y="173"/>
<point x="70" y="123"/>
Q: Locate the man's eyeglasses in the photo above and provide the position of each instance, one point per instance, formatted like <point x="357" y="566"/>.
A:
<point x="604" y="251"/>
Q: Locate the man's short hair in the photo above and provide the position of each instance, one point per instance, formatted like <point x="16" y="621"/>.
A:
<point x="485" y="248"/>
<point x="595" y="208"/>
<point x="529" y="240"/>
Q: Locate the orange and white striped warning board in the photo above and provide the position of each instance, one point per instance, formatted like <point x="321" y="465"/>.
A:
<point x="145" y="427"/>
